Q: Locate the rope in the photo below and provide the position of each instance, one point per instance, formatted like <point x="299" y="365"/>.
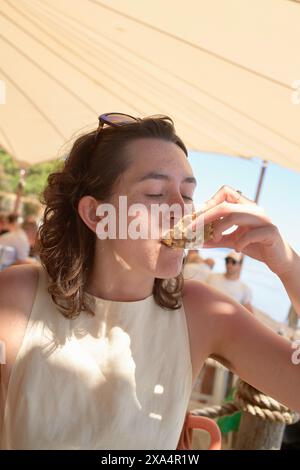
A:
<point x="250" y="400"/>
<point x="216" y="411"/>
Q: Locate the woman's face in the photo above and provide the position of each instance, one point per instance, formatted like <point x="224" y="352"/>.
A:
<point x="159" y="173"/>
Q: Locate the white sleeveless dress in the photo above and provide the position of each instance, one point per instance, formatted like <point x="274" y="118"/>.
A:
<point x="121" y="379"/>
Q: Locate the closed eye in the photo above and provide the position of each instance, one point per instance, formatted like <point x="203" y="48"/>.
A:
<point x="160" y="195"/>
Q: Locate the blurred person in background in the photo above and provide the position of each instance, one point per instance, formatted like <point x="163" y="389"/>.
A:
<point x="230" y="283"/>
<point x="12" y="223"/>
<point x="21" y="239"/>
<point x="196" y="267"/>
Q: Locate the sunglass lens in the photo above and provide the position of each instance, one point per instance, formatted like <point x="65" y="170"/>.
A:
<point x="230" y="260"/>
<point x="117" y="119"/>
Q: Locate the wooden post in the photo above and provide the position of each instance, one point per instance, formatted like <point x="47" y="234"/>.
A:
<point x="19" y="192"/>
<point x="261" y="180"/>
<point x="258" y="434"/>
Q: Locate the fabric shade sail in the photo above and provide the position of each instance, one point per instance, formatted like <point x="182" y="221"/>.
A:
<point x="227" y="72"/>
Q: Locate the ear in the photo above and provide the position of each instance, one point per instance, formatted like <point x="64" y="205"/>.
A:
<point x="87" y="208"/>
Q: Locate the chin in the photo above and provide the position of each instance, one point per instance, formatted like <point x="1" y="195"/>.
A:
<point x="160" y="261"/>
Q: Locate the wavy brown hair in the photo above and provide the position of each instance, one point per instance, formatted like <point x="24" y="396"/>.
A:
<point x="66" y="244"/>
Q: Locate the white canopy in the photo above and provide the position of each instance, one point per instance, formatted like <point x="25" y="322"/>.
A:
<point x="227" y="72"/>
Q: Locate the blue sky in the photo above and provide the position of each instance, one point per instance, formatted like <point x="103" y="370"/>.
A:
<point x="280" y="197"/>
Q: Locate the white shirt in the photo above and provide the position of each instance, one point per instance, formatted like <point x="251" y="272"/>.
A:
<point x="235" y="288"/>
<point x="197" y="271"/>
<point x="112" y="380"/>
<point x="18" y="240"/>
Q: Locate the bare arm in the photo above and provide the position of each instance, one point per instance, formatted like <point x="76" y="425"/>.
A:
<point x="255" y="236"/>
<point x="262" y="358"/>
<point x="253" y="351"/>
<point x="17" y="290"/>
<point x="259" y="356"/>
<point x="291" y="280"/>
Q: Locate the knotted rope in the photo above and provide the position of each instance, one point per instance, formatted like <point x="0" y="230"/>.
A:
<point x="247" y="398"/>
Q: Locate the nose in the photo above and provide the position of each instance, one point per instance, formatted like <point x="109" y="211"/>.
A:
<point x="180" y="205"/>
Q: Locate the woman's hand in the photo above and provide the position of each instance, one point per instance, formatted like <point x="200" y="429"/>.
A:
<point x="255" y="234"/>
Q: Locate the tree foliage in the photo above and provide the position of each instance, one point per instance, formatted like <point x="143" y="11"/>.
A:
<point x="35" y="177"/>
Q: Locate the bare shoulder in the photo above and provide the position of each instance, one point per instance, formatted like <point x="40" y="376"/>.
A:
<point x="202" y="304"/>
<point x="18" y="285"/>
<point x="207" y="310"/>
<point x="17" y="288"/>
<point x="202" y="300"/>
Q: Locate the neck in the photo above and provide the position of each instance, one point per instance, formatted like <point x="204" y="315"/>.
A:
<point x="111" y="278"/>
<point x="232" y="276"/>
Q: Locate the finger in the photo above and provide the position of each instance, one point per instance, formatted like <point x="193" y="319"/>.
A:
<point x="228" y="194"/>
<point x="259" y="235"/>
<point x="238" y="219"/>
<point x="227" y="241"/>
<point x="223" y="210"/>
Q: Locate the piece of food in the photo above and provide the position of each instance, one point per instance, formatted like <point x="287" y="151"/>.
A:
<point x="180" y="237"/>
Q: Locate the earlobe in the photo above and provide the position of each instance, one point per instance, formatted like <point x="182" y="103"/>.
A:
<point x="87" y="208"/>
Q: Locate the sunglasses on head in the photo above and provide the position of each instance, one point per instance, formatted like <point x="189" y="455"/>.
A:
<point x="115" y="119"/>
<point x="121" y="119"/>
<point x="231" y="260"/>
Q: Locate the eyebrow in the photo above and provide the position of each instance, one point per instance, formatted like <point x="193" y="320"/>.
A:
<point x="160" y="176"/>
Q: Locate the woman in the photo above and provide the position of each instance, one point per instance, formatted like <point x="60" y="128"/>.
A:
<point x="104" y="343"/>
